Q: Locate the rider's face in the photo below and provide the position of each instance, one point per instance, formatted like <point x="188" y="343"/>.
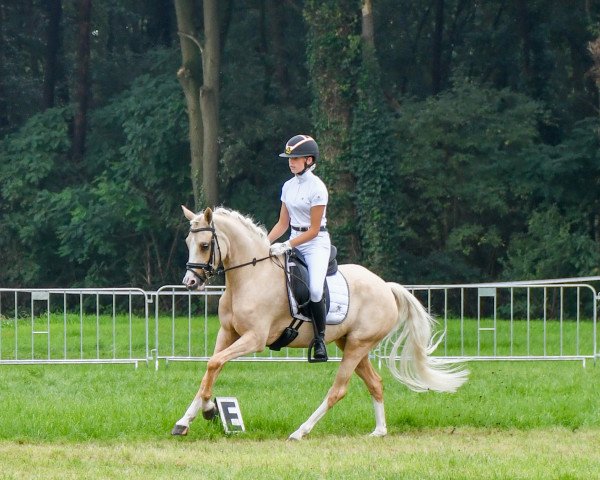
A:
<point x="297" y="164"/>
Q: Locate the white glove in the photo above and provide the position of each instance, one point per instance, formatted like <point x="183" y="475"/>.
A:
<point x="280" y="248"/>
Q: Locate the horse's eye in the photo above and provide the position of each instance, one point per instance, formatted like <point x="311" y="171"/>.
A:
<point x="204" y="246"/>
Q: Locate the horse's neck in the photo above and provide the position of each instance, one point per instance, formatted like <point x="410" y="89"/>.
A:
<point x="243" y="245"/>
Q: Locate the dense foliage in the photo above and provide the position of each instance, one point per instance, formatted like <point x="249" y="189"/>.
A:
<point x="463" y="146"/>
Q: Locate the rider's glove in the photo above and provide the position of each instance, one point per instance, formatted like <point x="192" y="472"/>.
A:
<point x="280" y="248"/>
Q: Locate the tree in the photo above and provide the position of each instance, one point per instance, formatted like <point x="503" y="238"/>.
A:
<point x="461" y="176"/>
<point x="436" y="50"/>
<point x="554" y="246"/>
<point x="51" y="60"/>
<point x="119" y="226"/>
<point x="4" y="118"/>
<point x="265" y="100"/>
<point x="373" y="160"/>
<point x="82" y="80"/>
<point x="199" y="78"/>
<point x="594" y="49"/>
<point x="333" y="55"/>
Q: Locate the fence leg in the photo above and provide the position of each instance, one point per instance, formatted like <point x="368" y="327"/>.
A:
<point x="154" y="356"/>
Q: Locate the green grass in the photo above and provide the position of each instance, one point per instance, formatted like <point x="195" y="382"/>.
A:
<point x="426" y="455"/>
<point x="81" y="403"/>
<point x="96" y="402"/>
<point x="524" y="420"/>
<point x="511" y="420"/>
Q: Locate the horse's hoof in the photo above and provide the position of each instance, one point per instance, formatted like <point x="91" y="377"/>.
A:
<point x="209" y="414"/>
<point x="180" y="430"/>
<point x="378" y="433"/>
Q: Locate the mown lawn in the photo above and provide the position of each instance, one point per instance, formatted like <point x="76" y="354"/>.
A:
<point x="511" y="420"/>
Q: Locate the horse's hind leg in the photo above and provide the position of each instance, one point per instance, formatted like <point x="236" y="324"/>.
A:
<point x="352" y="357"/>
<point x="373" y="382"/>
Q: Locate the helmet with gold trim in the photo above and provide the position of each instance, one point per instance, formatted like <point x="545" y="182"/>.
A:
<point x="301" y="146"/>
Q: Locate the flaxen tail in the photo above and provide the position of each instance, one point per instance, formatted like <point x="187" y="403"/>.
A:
<point x="414" y="366"/>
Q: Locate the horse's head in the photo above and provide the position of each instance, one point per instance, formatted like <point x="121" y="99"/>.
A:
<point x="204" y="249"/>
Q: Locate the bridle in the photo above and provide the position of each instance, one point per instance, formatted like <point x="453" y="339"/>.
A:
<point x="208" y="269"/>
<point x="211" y="268"/>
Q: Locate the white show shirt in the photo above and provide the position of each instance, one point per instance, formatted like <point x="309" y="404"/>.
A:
<point x="302" y="192"/>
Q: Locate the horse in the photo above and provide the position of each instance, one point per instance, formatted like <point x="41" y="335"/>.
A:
<point x="252" y="317"/>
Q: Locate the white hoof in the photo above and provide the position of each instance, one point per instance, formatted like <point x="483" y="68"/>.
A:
<point x="379" y="432"/>
<point x="295" y="437"/>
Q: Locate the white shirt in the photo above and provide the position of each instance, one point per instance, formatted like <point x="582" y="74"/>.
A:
<point x="300" y="194"/>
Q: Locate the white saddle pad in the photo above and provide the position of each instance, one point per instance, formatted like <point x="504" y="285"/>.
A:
<point x="339" y="300"/>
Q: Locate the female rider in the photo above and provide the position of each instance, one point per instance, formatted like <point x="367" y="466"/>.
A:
<point x="303" y="205"/>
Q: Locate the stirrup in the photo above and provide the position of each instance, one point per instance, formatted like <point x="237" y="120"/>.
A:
<point x="311" y="357"/>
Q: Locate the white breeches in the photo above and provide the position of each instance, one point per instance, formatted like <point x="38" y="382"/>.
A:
<point x="316" y="253"/>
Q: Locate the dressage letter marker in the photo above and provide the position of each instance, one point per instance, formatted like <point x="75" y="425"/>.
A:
<point x="230" y="413"/>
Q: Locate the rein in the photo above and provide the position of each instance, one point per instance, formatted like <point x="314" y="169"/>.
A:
<point x="208" y="269"/>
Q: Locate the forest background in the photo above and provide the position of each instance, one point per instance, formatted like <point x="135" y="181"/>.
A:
<point x="460" y="139"/>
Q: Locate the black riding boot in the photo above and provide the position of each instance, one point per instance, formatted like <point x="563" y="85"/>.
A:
<point x="317" y="311"/>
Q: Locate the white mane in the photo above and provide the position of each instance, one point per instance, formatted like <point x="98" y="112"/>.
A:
<point x="246" y="221"/>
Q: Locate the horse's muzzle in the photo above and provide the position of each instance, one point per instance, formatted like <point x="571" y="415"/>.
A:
<point x="193" y="281"/>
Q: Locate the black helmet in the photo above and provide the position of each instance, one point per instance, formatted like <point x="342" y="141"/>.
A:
<point x="301" y="146"/>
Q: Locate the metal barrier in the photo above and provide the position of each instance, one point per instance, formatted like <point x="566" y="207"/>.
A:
<point x="74" y="326"/>
<point x="544" y="320"/>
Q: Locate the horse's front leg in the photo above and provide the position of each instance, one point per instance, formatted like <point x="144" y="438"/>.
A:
<point x="225" y="338"/>
<point x="245" y="344"/>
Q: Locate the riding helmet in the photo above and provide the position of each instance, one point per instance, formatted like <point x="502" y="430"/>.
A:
<point x="301" y="146"/>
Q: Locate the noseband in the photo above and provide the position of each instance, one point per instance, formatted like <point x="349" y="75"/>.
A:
<point x="208" y="269"/>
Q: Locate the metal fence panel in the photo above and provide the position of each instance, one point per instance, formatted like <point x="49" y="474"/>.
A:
<point x="542" y="320"/>
<point x="549" y="320"/>
<point x="73" y="326"/>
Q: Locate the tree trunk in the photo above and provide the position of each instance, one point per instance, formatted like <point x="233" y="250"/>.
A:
<point x="332" y="27"/>
<point x="594" y="49"/>
<point x="368" y="29"/>
<point x="190" y="78"/>
<point x="199" y="79"/>
<point x="82" y="80"/>
<point x="276" y="44"/>
<point x="524" y="26"/>
<point x="159" y="22"/>
<point x="372" y="155"/>
<point x="209" y="102"/>
<point x="436" y="51"/>
<point x="4" y="120"/>
<point x="51" y="65"/>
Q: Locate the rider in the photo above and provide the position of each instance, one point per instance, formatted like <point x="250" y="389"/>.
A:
<point x="303" y="204"/>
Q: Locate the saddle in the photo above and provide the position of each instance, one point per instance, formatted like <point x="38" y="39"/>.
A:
<point x="299" y="278"/>
<point x="298" y="286"/>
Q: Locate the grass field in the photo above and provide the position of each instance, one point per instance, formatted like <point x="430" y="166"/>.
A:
<point x="511" y="420"/>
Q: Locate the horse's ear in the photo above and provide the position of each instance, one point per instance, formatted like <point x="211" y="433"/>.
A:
<point x="188" y="213"/>
<point x="208" y="214"/>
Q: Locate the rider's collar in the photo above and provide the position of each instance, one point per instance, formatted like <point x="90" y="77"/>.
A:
<point x="306" y="174"/>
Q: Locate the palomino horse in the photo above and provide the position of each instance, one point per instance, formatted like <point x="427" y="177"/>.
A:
<point x="253" y="316"/>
